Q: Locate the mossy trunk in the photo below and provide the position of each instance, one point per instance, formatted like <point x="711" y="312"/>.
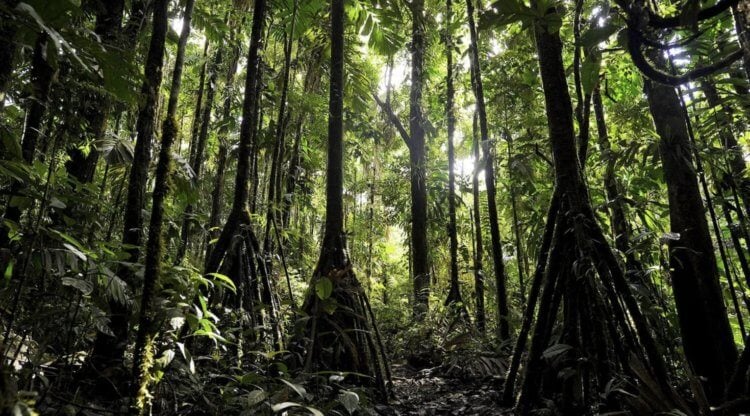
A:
<point x="109" y="350"/>
<point x="154" y="246"/>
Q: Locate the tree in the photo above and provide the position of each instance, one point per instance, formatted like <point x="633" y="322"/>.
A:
<point x="154" y="245"/>
<point x="454" y="295"/>
<point x="335" y="300"/>
<point x="416" y="144"/>
<point x="503" y="329"/>
<point x="478" y="245"/>
<point x="198" y="146"/>
<point x="695" y="280"/>
<point x="237" y="241"/>
<point x="575" y="239"/>
<point x="110" y="349"/>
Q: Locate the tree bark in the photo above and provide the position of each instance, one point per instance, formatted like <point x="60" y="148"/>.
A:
<point x="200" y="148"/>
<point x="706" y="334"/>
<point x="346" y="331"/>
<point x="503" y="328"/>
<point x="736" y="165"/>
<point x="741" y="14"/>
<point x="108" y="350"/>
<point x="198" y="111"/>
<point x="615" y="203"/>
<point x="478" y="251"/>
<point x="221" y="160"/>
<point x="273" y="210"/>
<point x="417" y="164"/>
<point x="454" y="294"/>
<point x="154" y="246"/>
<point x="239" y="215"/>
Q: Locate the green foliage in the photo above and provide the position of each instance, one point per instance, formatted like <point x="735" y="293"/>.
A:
<point x="216" y="349"/>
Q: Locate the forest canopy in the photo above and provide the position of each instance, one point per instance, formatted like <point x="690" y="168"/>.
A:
<point x="374" y="207"/>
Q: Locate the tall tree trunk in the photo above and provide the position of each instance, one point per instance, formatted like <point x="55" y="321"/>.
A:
<point x="503" y="329"/>
<point x="198" y="111"/>
<point x="521" y="261"/>
<point x="454" y="294"/>
<point x="371" y="224"/>
<point x="478" y="251"/>
<point x="109" y="350"/>
<point x="706" y="334"/>
<point x="139" y="11"/>
<point x="352" y="320"/>
<point x="42" y="77"/>
<point x="273" y="209"/>
<point x="312" y="79"/>
<point x="741" y="14"/>
<point x="198" y="156"/>
<point x="239" y="215"/>
<point x="154" y="246"/>
<point x="135" y="201"/>
<point x="577" y="245"/>
<point x="255" y="149"/>
<point x="417" y="164"/>
<point x="221" y="159"/>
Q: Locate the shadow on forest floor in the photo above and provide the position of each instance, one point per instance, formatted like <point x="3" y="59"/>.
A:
<point x="428" y="392"/>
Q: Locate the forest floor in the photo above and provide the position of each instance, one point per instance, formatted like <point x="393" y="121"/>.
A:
<point x="428" y="392"/>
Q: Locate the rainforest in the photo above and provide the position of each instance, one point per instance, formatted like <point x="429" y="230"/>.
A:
<point x="374" y="207"/>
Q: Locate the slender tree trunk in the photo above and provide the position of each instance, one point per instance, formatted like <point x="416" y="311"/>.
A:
<point x="733" y="150"/>
<point x="361" y="351"/>
<point x="139" y="11"/>
<point x="478" y="251"/>
<point x="198" y="111"/>
<point x="454" y="294"/>
<point x="255" y="150"/>
<point x="154" y="246"/>
<point x="741" y="14"/>
<point x="417" y="163"/>
<point x="312" y="78"/>
<point x="521" y="261"/>
<point x="108" y="350"/>
<point x="221" y="159"/>
<point x="200" y="148"/>
<point x="239" y="214"/>
<point x="295" y="171"/>
<point x="371" y="224"/>
<point x="274" y="188"/>
<point x="135" y="201"/>
<point x="42" y="77"/>
<point x="503" y="329"/>
<point x="706" y="334"/>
